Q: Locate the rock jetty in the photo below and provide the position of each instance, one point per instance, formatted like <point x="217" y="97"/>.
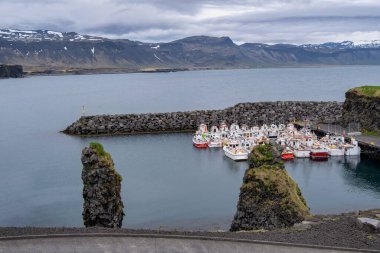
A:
<point x="102" y="206"/>
<point x="248" y="113"/>
<point x="269" y="198"/>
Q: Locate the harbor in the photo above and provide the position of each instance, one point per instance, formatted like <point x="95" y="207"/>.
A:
<point x="238" y="141"/>
<point x="167" y="183"/>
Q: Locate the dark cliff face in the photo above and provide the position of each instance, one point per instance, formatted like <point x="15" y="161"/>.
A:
<point x="102" y="206"/>
<point x="11" y="71"/>
<point x="269" y="198"/>
<point x="363" y="109"/>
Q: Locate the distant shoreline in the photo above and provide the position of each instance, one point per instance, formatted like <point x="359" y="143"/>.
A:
<point x="95" y="71"/>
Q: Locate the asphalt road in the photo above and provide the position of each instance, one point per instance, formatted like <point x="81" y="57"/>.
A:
<point x="144" y="244"/>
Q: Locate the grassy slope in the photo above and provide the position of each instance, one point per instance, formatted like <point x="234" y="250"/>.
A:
<point x="371" y="91"/>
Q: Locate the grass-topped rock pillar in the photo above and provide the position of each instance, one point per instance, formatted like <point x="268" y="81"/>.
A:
<point x="269" y="198"/>
<point x="102" y="205"/>
<point x="362" y="105"/>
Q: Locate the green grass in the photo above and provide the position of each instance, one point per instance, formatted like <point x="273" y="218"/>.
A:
<point x="370" y="133"/>
<point x="105" y="157"/>
<point x="371" y="91"/>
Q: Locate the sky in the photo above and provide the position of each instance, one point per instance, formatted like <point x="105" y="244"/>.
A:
<point x="264" y="21"/>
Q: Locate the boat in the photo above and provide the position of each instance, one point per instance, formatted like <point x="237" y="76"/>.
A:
<point x="215" y="142"/>
<point x="235" y="152"/>
<point x="273" y="132"/>
<point x="287" y="154"/>
<point x="199" y="141"/>
<point x="352" y="149"/>
<point x="301" y="153"/>
<point x="335" y="150"/>
<point x="319" y="153"/>
<point x="248" y="144"/>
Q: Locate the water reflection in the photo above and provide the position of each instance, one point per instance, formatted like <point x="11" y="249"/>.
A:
<point x="339" y="184"/>
<point x="363" y="174"/>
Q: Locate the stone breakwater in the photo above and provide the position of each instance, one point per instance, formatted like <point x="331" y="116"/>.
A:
<point x="248" y="113"/>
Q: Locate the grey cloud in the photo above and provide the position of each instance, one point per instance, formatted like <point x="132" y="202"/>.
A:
<point x="269" y="21"/>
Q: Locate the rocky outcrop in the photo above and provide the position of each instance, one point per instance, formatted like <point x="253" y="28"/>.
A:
<point x="362" y="105"/>
<point x="249" y="113"/>
<point x="269" y="198"/>
<point x="7" y="71"/>
<point x="102" y="206"/>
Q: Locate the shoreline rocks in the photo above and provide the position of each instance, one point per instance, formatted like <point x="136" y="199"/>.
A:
<point x="11" y="71"/>
<point x="248" y="113"/>
<point x="102" y="205"/>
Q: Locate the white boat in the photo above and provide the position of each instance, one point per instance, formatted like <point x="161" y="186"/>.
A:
<point x="202" y="128"/>
<point x="272" y="132"/>
<point x="352" y="149"/>
<point x="248" y="144"/>
<point x="235" y="152"/>
<point x="301" y="153"/>
<point x="215" y="143"/>
<point x="335" y="150"/>
<point x="214" y="132"/>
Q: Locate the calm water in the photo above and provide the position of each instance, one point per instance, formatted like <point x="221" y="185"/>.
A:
<point x="167" y="183"/>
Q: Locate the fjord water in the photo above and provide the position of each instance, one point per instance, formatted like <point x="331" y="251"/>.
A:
<point x="167" y="183"/>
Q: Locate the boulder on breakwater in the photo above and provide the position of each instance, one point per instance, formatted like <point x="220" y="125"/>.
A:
<point x="269" y="198"/>
<point x="362" y="105"/>
<point x="7" y="71"/>
<point x="102" y="205"/>
<point x="248" y="113"/>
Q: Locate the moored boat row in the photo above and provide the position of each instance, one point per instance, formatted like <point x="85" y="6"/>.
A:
<point x="238" y="141"/>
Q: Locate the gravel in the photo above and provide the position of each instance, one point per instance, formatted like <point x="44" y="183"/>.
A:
<point x="326" y="230"/>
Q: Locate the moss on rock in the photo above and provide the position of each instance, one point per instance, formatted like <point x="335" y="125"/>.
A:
<point x="370" y="91"/>
<point x="269" y="198"/>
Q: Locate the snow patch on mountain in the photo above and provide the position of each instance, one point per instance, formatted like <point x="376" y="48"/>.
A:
<point x="344" y="45"/>
<point x="44" y="35"/>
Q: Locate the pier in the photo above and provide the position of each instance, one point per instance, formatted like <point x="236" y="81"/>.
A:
<point x="370" y="145"/>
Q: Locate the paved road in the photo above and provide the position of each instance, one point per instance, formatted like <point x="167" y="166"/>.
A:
<point x="144" y="244"/>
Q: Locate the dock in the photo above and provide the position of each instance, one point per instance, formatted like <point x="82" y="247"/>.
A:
<point x="370" y="145"/>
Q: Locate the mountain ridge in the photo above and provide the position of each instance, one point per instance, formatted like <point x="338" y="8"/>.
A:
<point x="45" y="49"/>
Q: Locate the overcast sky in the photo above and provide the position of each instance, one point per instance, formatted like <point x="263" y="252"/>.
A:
<point x="267" y="21"/>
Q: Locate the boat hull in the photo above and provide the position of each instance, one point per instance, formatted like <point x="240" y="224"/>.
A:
<point x="215" y="144"/>
<point x="236" y="157"/>
<point x="200" y="145"/>
<point x="336" y="152"/>
<point x="302" y="153"/>
<point x="319" y="155"/>
<point x="287" y="156"/>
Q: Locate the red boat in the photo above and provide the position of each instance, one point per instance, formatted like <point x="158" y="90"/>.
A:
<point x="200" y="142"/>
<point x="287" y="155"/>
<point x="319" y="154"/>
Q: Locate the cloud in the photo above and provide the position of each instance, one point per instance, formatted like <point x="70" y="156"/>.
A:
<point x="268" y="21"/>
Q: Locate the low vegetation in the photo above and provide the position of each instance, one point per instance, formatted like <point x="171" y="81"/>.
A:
<point x="105" y="157"/>
<point x="371" y="91"/>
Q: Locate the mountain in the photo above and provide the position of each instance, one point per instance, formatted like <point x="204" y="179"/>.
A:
<point x="42" y="50"/>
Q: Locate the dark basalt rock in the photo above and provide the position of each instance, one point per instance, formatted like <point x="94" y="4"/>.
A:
<point x="11" y="71"/>
<point x="362" y="109"/>
<point x="102" y="206"/>
<point x="269" y="198"/>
